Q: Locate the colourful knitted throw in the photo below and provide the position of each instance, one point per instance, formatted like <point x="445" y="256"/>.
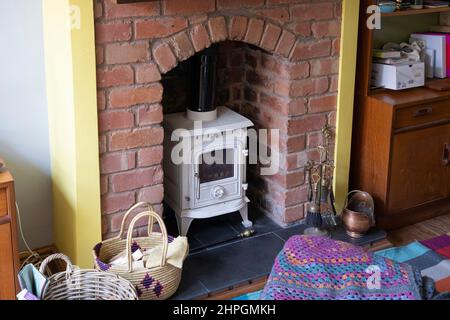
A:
<point x="314" y="268"/>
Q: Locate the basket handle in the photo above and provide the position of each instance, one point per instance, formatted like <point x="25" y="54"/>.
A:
<point x="165" y="240"/>
<point x="57" y="256"/>
<point x="125" y="217"/>
<point x="372" y="214"/>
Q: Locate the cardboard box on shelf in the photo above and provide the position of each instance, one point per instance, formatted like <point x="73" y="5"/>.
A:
<point x="398" y="77"/>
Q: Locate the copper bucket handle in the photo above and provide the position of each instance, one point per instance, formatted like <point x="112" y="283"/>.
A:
<point x="372" y="206"/>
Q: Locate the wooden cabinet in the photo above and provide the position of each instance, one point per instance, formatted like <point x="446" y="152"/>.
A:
<point x="402" y="158"/>
<point x="9" y="258"/>
<point x="418" y="172"/>
<point x="401" y="142"/>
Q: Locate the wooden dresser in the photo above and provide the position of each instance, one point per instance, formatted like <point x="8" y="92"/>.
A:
<point x="401" y="139"/>
<point x="9" y="257"/>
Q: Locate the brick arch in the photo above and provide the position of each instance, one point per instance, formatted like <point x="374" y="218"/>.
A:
<point x="254" y="30"/>
<point x="286" y="189"/>
<point x="138" y="42"/>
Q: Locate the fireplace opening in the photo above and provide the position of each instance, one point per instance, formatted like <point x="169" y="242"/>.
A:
<point x="287" y="82"/>
<point x="246" y="80"/>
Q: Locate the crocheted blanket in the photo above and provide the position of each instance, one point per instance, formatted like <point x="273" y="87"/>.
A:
<point x="315" y="268"/>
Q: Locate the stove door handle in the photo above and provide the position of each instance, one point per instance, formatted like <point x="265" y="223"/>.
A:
<point x="197" y="185"/>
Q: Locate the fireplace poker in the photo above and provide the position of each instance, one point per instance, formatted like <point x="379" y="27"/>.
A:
<point x="245" y="234"/>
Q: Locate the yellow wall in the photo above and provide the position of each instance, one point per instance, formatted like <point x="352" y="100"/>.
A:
<point x="71" y="90"/>
<point x="72" y="103"/>
<point x="344" y="118"/>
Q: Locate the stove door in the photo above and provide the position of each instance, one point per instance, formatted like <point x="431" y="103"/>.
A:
<point x="216" y="165"/>
<point x="218" y="175"/>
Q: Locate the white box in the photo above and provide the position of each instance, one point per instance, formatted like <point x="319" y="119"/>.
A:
<point x="398" y="77"/>
<point x="437" y="42"/>
<point x="430" y="58"/>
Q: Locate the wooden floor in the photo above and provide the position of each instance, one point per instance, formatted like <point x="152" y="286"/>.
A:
<point x="420" y="231"/>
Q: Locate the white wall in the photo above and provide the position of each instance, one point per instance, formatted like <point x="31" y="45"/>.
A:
<point x="24" y="141"/>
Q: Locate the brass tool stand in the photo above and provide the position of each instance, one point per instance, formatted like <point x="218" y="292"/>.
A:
<point x="321" y="212"/>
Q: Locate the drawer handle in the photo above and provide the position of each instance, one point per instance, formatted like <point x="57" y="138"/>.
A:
<point x="446" y="154"/>
<point x="423" y="112"/>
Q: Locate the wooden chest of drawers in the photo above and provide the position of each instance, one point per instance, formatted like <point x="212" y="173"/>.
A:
<point x="401" y="154"/>
<point x="9" y="258"/>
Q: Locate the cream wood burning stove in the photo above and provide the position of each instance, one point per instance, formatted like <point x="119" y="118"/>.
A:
<point x="205" y="168"/>
<point x="205" y="152"/>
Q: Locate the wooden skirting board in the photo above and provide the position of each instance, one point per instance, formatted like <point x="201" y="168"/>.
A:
<point x="43" y="252"/>
<point x="251" y="286"/>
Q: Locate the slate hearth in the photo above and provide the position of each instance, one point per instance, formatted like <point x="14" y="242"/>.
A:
<point x="207" y="232"/>
<point x="221" y="267"/>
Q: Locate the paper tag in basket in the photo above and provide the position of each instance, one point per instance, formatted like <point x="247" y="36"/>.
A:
<point x="137" y="255"/>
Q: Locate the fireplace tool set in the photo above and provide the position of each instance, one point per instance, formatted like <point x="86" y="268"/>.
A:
<point x="321" y="211"/>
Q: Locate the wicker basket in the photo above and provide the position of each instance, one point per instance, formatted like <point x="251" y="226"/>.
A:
<point x="77" y="284"/>
<point x="157" y="283"/>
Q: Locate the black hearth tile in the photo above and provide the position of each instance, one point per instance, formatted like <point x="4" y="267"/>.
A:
<point x="194" y="244"/>
<point x="232" y="221"/>
<point x="256" y="254"/>
<point x="205" y="233"/>
<point x="211" y="231"/>
<point x="288" y="232"/>
<point x="190" y="286"/>
<point x="217" y="270"/>
<point x="229" y="217"/>
<point x="264" y="224"/>
<point x="172" y="229"/>
<point x="228" y="265"/>
<point x="261" y="223"/>
<point x="372" y="236"/>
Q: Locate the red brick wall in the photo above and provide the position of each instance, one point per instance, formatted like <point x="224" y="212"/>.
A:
<point x="289" y="85"/>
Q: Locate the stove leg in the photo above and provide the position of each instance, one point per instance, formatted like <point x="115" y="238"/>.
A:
<point x="183" y="225"/>
<point x="244" y="214"/>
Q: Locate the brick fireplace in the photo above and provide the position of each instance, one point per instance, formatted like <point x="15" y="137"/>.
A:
<point x="278" y="67"/>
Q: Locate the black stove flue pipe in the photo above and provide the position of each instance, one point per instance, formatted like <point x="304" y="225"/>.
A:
<point x="203" y="82"/>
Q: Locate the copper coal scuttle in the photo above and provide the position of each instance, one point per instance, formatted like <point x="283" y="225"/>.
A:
<point x="358" y="213"/>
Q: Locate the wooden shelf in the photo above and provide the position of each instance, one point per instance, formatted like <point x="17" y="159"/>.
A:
<point x="410" y="12"/>
<point x="409" y="97"/>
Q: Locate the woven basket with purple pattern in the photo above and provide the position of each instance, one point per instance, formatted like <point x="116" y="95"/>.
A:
<point x="157" y="283"/>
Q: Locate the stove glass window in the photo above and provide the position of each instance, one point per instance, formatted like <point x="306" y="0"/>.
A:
<point x="216" y="165"/>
